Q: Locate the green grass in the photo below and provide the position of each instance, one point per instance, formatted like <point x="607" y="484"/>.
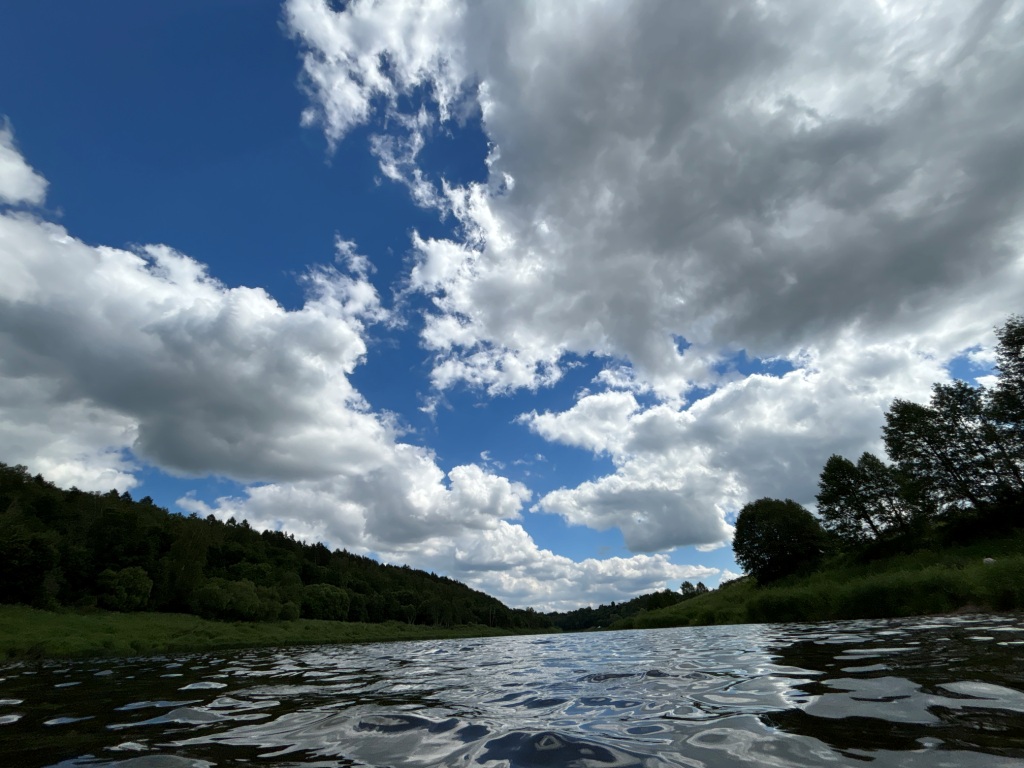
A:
<point x="31" y="633"/>
<point x="920" y="583"/>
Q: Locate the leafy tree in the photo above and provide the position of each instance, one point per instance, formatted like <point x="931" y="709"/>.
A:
<point x="26" y="559"/>
<point x="227" y="600"/>
<point x="918" y="441"/>
<point x="663" y="599"/>
<point x="688" y="590"/>
<point x="1010" y="364"/>
<point x="841" y="502"/>
<point x="775" y="538"/>
<point x="125" y="590"/>
<point x="1005" y="423"/>
<point x="325" y="601"/>
<point x="965" y="447"/>
<point x="863" y="501"/>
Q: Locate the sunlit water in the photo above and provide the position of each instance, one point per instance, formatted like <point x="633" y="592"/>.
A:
<point x="920" y="692"/>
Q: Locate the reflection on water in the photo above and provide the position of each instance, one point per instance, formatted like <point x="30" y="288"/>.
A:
<point x="916" y="692"/>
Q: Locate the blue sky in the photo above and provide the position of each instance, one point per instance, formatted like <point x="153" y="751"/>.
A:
<point x="535" y="296"/>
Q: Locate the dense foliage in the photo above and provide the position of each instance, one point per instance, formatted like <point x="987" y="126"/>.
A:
<point x="71" y="548"/>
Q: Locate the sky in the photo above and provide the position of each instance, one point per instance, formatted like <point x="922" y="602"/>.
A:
<point x="535" y="295"/>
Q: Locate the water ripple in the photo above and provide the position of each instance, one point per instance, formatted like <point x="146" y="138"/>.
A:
<point x="921" y="692"/>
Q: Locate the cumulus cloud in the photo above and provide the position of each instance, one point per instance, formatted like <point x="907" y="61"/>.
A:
<point x="836" y="186"/>
<point x="112" y="358"/>
<point x="504" y="561"/>
<point x="216" y="380"/>
<point x="681" y="473"/>
<point x="744" y="176"/>
<point x="375" y="51"/>
<point x="19" y="183"/>
<point x="465" y="538"/>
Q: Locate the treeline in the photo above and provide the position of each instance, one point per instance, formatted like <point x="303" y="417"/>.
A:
<point x="607" y="615"/>
<point x="955" y="472"/>
<point x="72" y="548"/>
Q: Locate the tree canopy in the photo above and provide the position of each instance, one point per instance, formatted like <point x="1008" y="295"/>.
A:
<point x="775" y="538"/>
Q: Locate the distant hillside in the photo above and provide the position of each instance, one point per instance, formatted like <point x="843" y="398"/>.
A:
<point x="606" y="615"/>
<point x="72" y="548"/>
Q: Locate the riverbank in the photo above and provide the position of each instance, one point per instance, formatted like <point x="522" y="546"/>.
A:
<point x="923" y="582"/>
<point x="28" y="633"/>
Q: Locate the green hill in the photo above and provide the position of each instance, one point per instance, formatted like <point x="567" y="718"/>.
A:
<point x="71" y="549"/>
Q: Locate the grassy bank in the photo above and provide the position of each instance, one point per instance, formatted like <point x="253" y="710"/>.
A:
<point x="923" y="582"/>
<point x="31" y="633"/>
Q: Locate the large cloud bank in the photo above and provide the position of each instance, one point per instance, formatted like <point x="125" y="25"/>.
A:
<point x="675" y="187"/>
<point x="110" y="357"/>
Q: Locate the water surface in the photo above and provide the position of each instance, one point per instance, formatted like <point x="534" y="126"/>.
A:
<point x="919" y="692"/>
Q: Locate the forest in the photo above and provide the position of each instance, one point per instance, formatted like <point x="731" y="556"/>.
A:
<point x="69" y="548"/>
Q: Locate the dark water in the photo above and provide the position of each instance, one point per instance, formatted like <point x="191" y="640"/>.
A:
<point x="920" y="692"/>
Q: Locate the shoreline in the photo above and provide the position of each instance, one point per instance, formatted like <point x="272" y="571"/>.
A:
<point x="32" y="634"/>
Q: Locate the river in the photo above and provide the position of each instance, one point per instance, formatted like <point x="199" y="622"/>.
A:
<point x="935" y="691"/>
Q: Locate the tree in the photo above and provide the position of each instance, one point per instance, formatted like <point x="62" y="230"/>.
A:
<point x="775" y="538"/>
<point x="920" y="444"/>
<point x="1004" y="427"/>
<point x="325" y="601"/>
<point x="1010" y="363"/>
<point x="863" y="501"/>
<point x="966" y="447"/>
<point x="26" y="558"/>
<point x="841" y="502"/>
<point x="125" y="590"/>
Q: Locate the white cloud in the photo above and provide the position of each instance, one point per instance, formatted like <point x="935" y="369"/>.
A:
<point x="18" y="182"/>
<point x="69" y="443"/>
<point x="835" y="186"/>
<point x="504" y="561"/>
<point x="214" y="380"/>
<point x="375" y="50"/>
<point x="465" y="533"/>
<point x="680" y="473"/>
<point x="745" y="176"/>
<point x="109" y="358"/>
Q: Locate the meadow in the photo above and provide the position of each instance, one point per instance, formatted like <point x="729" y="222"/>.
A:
<point x="30" y="633"/>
